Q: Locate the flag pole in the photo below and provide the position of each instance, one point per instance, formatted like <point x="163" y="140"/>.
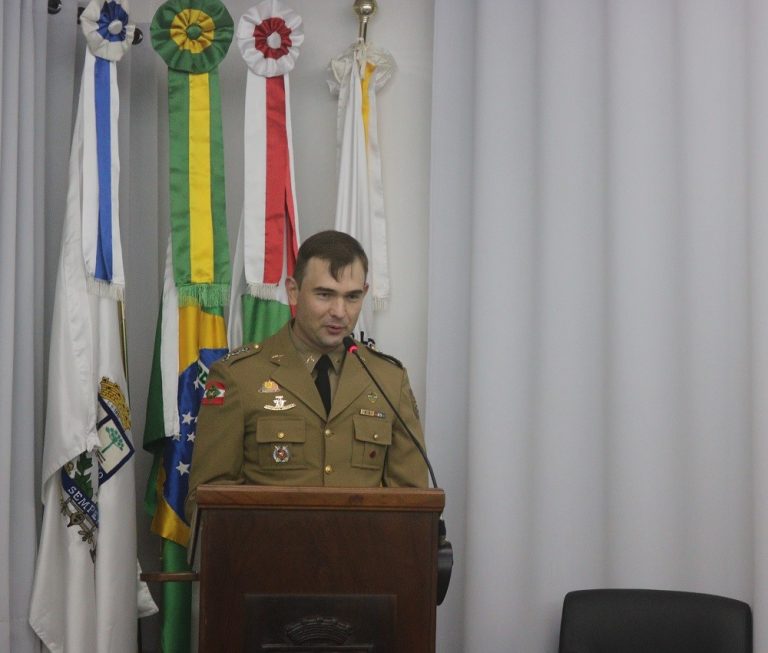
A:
<point x="123" y="340"/>
<point x="365" y="9"/>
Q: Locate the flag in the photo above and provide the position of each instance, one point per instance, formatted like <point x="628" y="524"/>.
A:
<point x="268" y="36"/>
<point x="192" y="37"/>
<point x="252" y="319"/>
<point x="356" y="76"/>
<point x="189" y="339"/>
<point x="86" y="591"/>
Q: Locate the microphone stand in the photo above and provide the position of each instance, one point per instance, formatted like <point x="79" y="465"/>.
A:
<point x="444" y="547"/>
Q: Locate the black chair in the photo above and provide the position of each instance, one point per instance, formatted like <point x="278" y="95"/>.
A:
<point x="653" y="621"/>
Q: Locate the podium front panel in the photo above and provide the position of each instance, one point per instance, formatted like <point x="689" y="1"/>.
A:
<point x="328" y="567"/>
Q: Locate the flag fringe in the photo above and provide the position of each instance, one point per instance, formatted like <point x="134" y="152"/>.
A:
<point x="105" y="289"/>
<point x="263" y="290"/>
<point x="204" y="294"/>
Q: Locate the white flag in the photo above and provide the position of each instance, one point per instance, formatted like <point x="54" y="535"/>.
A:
<point x="356" y="76"/>
<point x="86" y="589"/>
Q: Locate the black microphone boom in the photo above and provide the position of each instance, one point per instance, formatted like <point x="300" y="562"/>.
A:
<point x="444" y="548"/>
<point x="351" y="347"/>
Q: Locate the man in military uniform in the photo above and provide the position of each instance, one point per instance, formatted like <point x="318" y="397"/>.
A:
<point x="263" y="418"/>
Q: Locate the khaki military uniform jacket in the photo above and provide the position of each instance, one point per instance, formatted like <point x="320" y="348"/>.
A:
<point x="262" y="421"/>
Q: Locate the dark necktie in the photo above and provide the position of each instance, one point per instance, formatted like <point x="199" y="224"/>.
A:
<point x="322" y="381"/>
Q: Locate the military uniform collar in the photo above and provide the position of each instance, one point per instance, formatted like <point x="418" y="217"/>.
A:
<point x="310" y="356"/>
<point x="285" y="356"/>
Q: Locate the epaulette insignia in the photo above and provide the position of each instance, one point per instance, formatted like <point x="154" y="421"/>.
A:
<point x="236" y="353"/>
<point x="387" y="357"/>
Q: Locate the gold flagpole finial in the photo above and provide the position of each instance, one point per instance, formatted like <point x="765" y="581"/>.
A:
<point x="365" y="9"/>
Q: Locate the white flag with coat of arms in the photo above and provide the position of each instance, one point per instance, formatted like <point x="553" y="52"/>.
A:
<point x="86" y="595"/>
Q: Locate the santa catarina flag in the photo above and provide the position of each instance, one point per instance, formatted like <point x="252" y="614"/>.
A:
<point x="268" y="36"/>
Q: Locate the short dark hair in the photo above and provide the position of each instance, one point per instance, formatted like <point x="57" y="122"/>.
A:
<point x="336" y="247"/>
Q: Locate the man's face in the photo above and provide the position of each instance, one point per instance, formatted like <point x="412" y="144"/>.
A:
<point x="326" y="309"/>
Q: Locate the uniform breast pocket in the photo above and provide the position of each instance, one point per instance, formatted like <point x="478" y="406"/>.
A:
<point x="280" y="441"/>
<point x="372" y="437"/>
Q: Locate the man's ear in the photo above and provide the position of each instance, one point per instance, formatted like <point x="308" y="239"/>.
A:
<point x="292" y="289"/>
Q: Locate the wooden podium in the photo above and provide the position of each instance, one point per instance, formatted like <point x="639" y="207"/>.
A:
<point x="327" y="570"/>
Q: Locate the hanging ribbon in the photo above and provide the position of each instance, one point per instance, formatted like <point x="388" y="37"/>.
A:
<point x="109" y="36"/>
<point x="269" y="36"/>
<point x="192" y="37"/>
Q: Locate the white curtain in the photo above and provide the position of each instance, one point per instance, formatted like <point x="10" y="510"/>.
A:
<point x="22" y="85"/>
<point x="597" y="374"/>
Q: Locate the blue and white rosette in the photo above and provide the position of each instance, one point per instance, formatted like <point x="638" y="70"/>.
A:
<point x="106" y="28"/>
<point x="108" y="34"/>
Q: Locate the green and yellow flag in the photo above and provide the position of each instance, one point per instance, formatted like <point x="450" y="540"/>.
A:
<point x="192" y="37"/>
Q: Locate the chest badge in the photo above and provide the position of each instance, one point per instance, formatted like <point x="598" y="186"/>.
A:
<point x="281" y="454"/>
<point x="214" y="393"/>
<point x="269" y="387"/>
<point x="372" y="397"/>
<point x="278" y="403"/>
<point x="373" y="413"/>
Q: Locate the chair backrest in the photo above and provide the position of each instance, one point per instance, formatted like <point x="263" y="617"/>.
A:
<point x="653" y="621"/>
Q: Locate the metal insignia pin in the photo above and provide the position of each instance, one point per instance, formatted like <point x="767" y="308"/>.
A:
<point x="278" y="403"/>
<point x="269" y="387"/>
<point x="281" y="454"/>
<point x="235" y="352"/>
<point x="373" y="413"/>
<point x="372" y="397"/>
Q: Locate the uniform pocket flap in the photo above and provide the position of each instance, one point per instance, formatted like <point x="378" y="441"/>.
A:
<point x="370" y="429"/>
<point x="281" y="429"/>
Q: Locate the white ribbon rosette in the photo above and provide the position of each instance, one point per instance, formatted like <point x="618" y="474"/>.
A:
<point x="269" y="36"/>
<point x="106" y="28"/>
<point x="356" y="76"/>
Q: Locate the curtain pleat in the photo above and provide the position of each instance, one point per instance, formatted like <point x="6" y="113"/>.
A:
<point x="612" y="242"/>
<point x="21" y="245"/>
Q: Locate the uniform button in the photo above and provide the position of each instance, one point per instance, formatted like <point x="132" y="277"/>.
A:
<point x="328" y="433"/>
<point x="328" y="469"/>
<point x="375" y="436"/>
<point x="280" y="435"/>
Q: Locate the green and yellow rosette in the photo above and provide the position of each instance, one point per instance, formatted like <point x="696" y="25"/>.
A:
<point x="192" y="37"/>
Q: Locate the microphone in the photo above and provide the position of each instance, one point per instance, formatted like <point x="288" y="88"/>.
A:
<point x="444" y="547"/>
<point x="351" y="347"/>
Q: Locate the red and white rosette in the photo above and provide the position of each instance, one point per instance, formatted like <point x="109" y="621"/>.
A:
<point x="269" y="36"/>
